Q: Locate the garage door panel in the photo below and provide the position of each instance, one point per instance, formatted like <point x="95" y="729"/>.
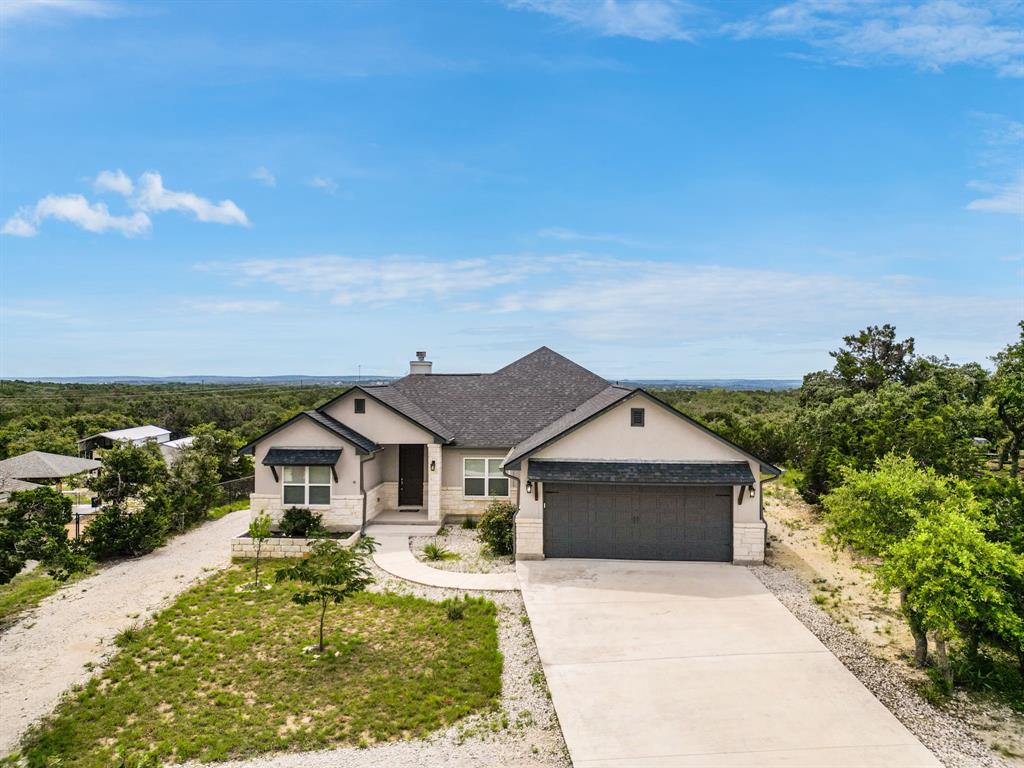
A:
<point x="638" y="522"/>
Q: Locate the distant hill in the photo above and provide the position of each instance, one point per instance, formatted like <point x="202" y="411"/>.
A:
<point x="286" y="380"/>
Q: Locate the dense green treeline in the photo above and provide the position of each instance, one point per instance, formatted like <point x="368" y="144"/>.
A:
<point x="52" y="417"/>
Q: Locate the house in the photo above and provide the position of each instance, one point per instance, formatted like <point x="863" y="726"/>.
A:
<point x="42" y="467"/>
<point x="9" y="485"/>
<point x="171" y="449"/>
<point x="595" y="469"/>
<point x="134" y="435"/>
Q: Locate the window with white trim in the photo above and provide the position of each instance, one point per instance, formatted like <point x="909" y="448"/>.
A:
<point x="483" y="477"/>
<point x="306" y="485"/>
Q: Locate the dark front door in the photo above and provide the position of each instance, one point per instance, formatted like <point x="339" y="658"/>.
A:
<point x="410" y="475"/>
<point x="638" y="522"/>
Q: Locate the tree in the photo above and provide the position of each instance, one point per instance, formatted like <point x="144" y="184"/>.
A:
<point x="223" y="446"/>
<point x="958" y="582"/>
<point x="192" y="485"/>
<point x="872" y="357"/>
<point x="259" y="531"/>
<point x="330" y="574"/>
<point x="128" y="471"/>
<point x="873" y="511"/>
<point x="1007" y="389"/>
<point x="33" y="527"/>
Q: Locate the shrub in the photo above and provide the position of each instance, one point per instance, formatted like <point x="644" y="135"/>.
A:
<point x="32" y="527"/>
<point x="434" y="551"/>
<point x="469" y="523"/>
<point x="301" y="522"/>
<point x="115" y="532"/>
<point x="497" y="527"/>
<point x="455" y="609"/>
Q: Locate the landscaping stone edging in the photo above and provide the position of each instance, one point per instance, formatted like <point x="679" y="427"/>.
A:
<point x="278" y="547"/>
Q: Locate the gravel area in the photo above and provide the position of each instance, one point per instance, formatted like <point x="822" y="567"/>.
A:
<point x="942" y="733"/>
<point x="523" y="734"/>
<point x="471" y="555"/>
<point x="59" y="643"/>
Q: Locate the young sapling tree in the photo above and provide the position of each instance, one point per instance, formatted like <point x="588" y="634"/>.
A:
<point x="259" y="531"/>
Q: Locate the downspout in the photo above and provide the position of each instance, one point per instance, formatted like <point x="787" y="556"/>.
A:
<point x="519" y="491"/>
<point x="362" y="490"/>
<point x="760" y="502"/>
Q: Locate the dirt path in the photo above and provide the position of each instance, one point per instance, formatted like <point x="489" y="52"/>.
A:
<point x="56" y="645"/>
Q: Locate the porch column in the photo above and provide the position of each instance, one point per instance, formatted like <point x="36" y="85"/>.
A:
<point x="434" y="481"/>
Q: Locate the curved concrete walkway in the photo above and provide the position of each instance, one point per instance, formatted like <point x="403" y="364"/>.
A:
<point x="395" y="557"/>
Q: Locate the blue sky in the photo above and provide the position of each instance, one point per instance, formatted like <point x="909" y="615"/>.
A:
<point x="655" y="189"/>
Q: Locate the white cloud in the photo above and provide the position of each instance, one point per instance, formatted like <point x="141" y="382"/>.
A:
<point x="1002" y="198"/>
<point x="153" y="196"/>
<point x="604" y="299"/>
<point x="231" y="306"/>
<point x="113" y="181"/>
<point x="642" y="19"/>
<point x="327" y="184"/>
<point x="570" y="235"/>
<point x="24" y="10"/>
<point x="931" y="35"/>
<point x="75" y="209"/>
<point x="264" y="176"/>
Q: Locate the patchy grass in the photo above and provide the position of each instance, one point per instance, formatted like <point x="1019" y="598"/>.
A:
<point x="26" y="591"/>
<point x="222" y="674"/>
<point x="216" y="513"/>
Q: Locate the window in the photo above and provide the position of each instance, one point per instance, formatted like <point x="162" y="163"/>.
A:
<point x="306" y="485"/>
<point x="360" y="404"/>
<point x="636" y="417"/>
<point x="483" y="477"/>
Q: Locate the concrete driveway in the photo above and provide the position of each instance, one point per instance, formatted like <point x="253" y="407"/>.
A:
<point x="697" y="664"/>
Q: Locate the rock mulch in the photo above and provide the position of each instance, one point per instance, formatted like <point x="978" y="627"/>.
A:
<point x="471" y="555"/>
<point x="524" y="733"/>
<point x="941" y="732"/>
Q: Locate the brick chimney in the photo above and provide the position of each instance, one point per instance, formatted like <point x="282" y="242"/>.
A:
<point x="420" y="364"/>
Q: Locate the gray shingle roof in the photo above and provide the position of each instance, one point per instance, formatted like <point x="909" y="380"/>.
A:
<point x="500" y="409"/>
<point x="643" y="472"/>
<point x="42" y="465"/>
<point x="344" y="431"/>
<point x="302" y="457"/>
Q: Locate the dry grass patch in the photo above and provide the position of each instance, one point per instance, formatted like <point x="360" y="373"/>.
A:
<point x="222" y="674"/>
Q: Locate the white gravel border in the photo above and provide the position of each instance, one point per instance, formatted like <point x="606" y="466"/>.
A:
<point x="941" y="732"/>
<point x="464" y="543"/>
<point x="525" y="732"/>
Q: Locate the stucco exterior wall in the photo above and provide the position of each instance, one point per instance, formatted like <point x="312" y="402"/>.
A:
<point x="379" y="423"/>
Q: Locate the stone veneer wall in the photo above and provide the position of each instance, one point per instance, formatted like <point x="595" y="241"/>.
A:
<point x="344" y="513"/>
<point x="277" y="548"/>
<point x="453" y="502"/>
<point x="748" y="543"/>
<point x="529" y="539"/>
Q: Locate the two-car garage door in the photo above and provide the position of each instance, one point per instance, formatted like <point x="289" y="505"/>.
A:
<point x="638" y="522"/>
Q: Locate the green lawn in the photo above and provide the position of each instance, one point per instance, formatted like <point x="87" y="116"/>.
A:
<point x="24" y="591"/>
<point x="222" y="674"/>
<point x="218" y="512"/>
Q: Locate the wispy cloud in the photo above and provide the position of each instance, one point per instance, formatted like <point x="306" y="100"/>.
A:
<point x="114" y="181"/>
<point x="153" y="196"/>
<point x="74" y="209"/>
<point x="264" y="177"/>
<point x="147" y="197"/>
<point x="231" y="306"/>
<point x="606" y="299"/>
<point x="12" y="11"/>
<point x="1000" y="198"/>
<point x="327" y="184"/>
<point x="641" y="19"/>
<point x="999" y="160"/>
<point x="571" y="235"/>
<point x="930" y="35"/>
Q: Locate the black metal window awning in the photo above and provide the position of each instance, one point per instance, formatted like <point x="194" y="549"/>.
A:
<point x="302" y="457"/>
<point x="642" y="472"/>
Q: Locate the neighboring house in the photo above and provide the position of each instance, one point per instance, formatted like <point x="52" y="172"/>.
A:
<point x="134" y="435"/>
<point x="171" y="449"/>
<point x="42" y="467"/>
<point x="9" y="485"/>
<point x="595" y="469"/>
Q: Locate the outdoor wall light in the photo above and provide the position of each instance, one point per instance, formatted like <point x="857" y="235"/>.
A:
<point x="529" y="486"/>
<point x="433" y="465"/>
<point x="752" y="492"/>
